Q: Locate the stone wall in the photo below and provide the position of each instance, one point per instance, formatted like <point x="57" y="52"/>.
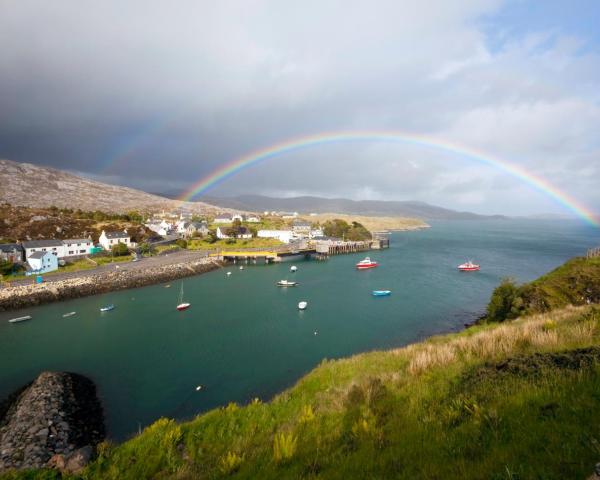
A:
<point x="56" y="417"/>
<point x="14" y="298"/>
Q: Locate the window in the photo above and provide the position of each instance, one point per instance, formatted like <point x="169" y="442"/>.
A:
<point x="71" y="252"/>
<point x="81" y="251"/>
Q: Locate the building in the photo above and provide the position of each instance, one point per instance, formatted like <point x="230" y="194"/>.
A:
<point x="194" y="228"/>
<point x="237" y="216"/>
<point x="11" y="252"/>
<point x="74" y="247"/>
<point x="42" y="262"/>
<point x="242" y="232"/>
<point x="253" y="219"/>
<point x="301" y="226"/>
<point x="223" y="219"/>
<point x="54" y="246"/>
<point x="285" y="236"/>
<point x="316" y="233"/>
<point x="288" y="214"/>
<point x="109" y="239"/>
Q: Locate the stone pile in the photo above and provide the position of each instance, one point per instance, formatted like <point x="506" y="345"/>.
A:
<point x="56" y="421"/>
<point x="14" y="298"/>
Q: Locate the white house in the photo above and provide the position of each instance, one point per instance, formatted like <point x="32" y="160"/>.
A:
<point x="42" y="262"/>
<point x="223" y="219"/>
<point x="53" y="246"/>
<point x="316" y="233"/>
<point x="237" y="216"/>
<point x="301" y="226"/>
<point x="288" y="214"/>
<point x="224" y="232"/>
<point x="77" y="246"/>
<point x="284" y="236"/>
<point x="108" y="239"/>
<point x="253" y="219"/>
<point x="196" y="227"/>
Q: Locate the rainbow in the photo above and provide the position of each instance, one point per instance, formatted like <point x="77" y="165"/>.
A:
<point x="288" y="146"/>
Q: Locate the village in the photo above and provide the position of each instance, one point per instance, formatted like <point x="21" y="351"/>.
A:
<point x="168" y="232"/>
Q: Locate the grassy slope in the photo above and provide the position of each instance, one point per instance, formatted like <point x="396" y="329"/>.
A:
<point x="512" y="400"/>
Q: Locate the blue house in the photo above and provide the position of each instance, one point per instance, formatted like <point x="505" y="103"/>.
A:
<point x="42" y="262"/>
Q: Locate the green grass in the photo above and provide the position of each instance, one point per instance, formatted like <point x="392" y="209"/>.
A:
<point x="197" y="244"/>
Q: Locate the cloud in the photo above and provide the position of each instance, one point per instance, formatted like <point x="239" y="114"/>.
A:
<point x="157" y="94"/>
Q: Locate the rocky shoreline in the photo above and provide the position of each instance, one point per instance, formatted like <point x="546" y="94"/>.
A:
<point x="17" y="297"/>
<point x="56" y="421"/>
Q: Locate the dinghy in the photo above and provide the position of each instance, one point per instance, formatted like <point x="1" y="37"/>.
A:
<point x="293" y="268"/>
<point x="286" y="283"/>
<point x="302" y="305"/>
<point x="20" y="319"/>
<point x="107" y="308"/>
<point x="70" y="314"/>
<point x="381" y="293"/>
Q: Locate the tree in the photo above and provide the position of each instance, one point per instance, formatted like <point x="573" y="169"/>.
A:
<point x="145" y="248"/>
<point x="120" y="250"/>
<point x="506" y="302"/>
<point x="211" y="237"/>
<point x="336" y="228"/>
<point x="6" y="267"/>
<point x="181" y="243"/>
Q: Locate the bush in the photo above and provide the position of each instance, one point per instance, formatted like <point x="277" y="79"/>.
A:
<point x="230" y="463"/>
<point x="6" y="267"/>
<point x="284" y="447"/>
<point x="120" y="250"/>
<point x="145" y="248"/>
<point x="506" y="303"/>
<point x="180" y="242"/>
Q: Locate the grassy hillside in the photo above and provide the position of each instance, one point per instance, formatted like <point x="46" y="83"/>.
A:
<point x="512" y="400"/>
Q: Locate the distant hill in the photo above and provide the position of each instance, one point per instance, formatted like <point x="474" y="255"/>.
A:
<point x="309" y="204"/>
<point x="28" y="185"/>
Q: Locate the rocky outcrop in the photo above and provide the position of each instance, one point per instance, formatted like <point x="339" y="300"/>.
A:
<point x="57" y="417"/>
<point x="14" y="298"/>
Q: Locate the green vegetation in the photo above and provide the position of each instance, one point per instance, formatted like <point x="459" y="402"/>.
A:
<point x="230" y="244"/>
<point x="577" y="282"/>
<point x="509" y="400"/>
<point x="341" y="229"/>
<point x="120" y="249"/>
<point x="6" y="267"/>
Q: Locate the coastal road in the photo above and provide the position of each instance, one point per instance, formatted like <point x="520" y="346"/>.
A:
<point x="178" y="256"/>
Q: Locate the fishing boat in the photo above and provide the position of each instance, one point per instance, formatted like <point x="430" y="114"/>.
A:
<point x="286" y="283"/>
<point x="107" y="308"/>
<point x="69" y="314"/>
<point x="302" y="305"/>
<point x="182" y="305"/>
<point x="20" y="319"/>
<point x="293" y="268"/>
<point x="366" y="263"/>
<point x="381" y="293"/>
<point x="468" y="267"/>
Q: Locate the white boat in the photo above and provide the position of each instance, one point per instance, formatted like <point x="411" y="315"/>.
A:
<point x="241" y="267"/>
<point x="366" y="263"/>
<point x="286" y="283"/>
<point x="468" y="267"/>
<point x="108" y="308"/>
<point x="70" y="314"/>
<point x="182" y="305"/>
<point x="302" y="305"/>
<point x="228" y="273"/>
<point x="381" y="293"/>
<point x="293" y="268"/>
<point x="20" y="319"/>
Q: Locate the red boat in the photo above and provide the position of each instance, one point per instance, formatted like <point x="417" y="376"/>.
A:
<point x="182" y="305"/>
<point x="366" y="263"/>
<point x="468" y="267"/>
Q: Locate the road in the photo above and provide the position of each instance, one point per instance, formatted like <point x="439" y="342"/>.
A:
<point x="178" y="256"/>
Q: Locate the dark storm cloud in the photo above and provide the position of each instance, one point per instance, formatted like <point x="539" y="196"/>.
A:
<point x="157" y="94"/>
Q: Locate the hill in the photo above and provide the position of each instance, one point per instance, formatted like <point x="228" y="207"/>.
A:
<point x="24" y="184"/>
<point x="509" y="400"/>
<point x="308" y="204"/>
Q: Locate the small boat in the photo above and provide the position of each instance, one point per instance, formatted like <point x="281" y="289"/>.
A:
<point x="366" y="263"/>
<point x="108" y="308"/>
<point x="293" y="268"/>
<point x="302" y="305"/>
<point x="182" y="305"/>
<point x="241" y="267"/>
<point x="168" y="286"/>
<point x="228" y="273"/>
<point x="468" y="267"/>
<point x="20" y="319"/>
<point x="286" y="283"/>
<point x="69" y="314"/>
<point x="381" y="293"/>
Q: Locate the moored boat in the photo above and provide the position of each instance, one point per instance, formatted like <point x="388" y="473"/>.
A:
<point x="381" y="293"/>
<point x="468" y="267"/>
<point x="107" y="308"/>
<point x="20" y="319"/>
<point x="286" y="283"/>
<point x="293" y="268"/>
<point x="182" y="305"/>
<point x="302" y="305"/>
<point x="69" y="314"/>
<point x="366" y="263"/>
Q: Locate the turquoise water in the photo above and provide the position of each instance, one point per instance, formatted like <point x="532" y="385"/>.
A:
<point x="243" y="337"/>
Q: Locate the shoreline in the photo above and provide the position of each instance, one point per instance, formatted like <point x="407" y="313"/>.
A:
<point x="31" y="295"/>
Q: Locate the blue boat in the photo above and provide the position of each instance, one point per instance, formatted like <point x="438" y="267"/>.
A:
<point x="381" y="293"/>
<point x="108" y="308"/>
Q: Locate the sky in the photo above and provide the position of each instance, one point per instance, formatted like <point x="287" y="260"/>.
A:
<point x="158" y="94"/>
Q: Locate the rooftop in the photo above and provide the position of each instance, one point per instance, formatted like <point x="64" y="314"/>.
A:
<point x="116" y="234"/>
<point x="9" y="247"/>
<point x="42" y="243"/>
<point x="38" y="255"/>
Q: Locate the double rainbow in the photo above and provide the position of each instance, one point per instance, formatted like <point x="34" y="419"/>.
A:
<point x="301" y="143"/>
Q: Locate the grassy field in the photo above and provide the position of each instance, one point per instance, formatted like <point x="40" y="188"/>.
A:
<point x="511" y="400"/>
<point x="198" y="244"/>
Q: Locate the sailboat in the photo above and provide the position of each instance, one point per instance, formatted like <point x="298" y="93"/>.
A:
<point x="182" y="305"/>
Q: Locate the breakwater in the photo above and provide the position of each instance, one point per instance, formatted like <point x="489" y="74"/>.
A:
<point x="22" y="296"/>
<point x="55" y="421"/>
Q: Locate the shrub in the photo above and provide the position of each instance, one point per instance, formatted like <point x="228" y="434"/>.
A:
<point x="284" y="447"/>
<point x="180" y="242"/>
<point x="230" y="463"/>
<point x="505" y="303"/>
<point x="120" y="250"/>
<point x="307" y="414"/>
